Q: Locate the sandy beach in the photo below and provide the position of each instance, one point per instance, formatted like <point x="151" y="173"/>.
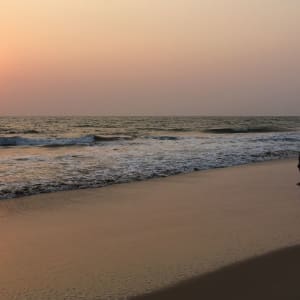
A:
<point x="211" y="233"/>
<point x="271" y="276"/>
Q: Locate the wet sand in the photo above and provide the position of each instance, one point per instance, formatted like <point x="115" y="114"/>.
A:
<point x="271" y="276"/>
<point x="131" y="239"/>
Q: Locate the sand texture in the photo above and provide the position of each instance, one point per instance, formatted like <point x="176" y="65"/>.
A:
<point x="131" y="239"/>
<point x="273" y="276"/>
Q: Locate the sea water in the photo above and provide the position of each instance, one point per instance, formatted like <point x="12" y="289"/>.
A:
<point x="47" y="154"/>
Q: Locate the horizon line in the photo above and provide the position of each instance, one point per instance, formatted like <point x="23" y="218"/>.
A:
<point x="148" y="115"/>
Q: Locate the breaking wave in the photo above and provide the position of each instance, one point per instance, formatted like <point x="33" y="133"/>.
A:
<point x="164" y="138"/>
<point x="49" y="154"/>
<point x="10" y="131"/>
<point x="230" y="130"/>
<point x="15" y="141"/>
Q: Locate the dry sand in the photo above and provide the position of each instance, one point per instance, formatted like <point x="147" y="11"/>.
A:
<point x="133" y="238"/>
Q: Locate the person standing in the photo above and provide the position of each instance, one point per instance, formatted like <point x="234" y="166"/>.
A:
<point x="298" y="166"/>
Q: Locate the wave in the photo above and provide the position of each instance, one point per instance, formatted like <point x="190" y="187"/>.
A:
<point x="104" y="138"/>
<point x="141" y="172"/>
<point x="164" y="138"/>
<point x="279" y="154"/>
<point x="86" y="126"/>
<point x="176" y="129"/>
<point x="29" y="131"/>
<point x="230" y="130"/>
<point x="15" y="141"/>
<point x="179" y="129"/>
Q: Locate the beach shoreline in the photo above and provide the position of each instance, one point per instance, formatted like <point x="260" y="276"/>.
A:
<point x="51" y="154"/>
<point x="33" y="197"/>
<point x="132" y="239"/>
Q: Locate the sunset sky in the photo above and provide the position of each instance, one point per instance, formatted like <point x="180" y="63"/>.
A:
<point x="150" y="57"/>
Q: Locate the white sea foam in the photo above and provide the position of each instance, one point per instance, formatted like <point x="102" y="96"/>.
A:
<point x="113" y="150"/>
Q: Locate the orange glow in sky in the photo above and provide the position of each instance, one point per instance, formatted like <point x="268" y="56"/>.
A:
<point x="117" y="56"/>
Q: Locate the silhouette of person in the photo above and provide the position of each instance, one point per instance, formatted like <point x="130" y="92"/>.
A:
<point x="298" y="166"/>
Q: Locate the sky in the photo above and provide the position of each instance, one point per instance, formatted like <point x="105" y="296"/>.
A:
<point x="150" y="57"/>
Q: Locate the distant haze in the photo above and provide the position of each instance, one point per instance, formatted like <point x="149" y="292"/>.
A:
<point x="150" y="57"/>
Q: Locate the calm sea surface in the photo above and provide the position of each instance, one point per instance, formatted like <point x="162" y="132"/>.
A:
<point x="46" y="154"/>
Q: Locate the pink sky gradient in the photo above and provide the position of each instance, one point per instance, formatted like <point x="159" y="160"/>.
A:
<point x="139" y="57"/>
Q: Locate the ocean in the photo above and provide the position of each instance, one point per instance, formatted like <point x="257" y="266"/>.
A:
<point x="48" y="154"/>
